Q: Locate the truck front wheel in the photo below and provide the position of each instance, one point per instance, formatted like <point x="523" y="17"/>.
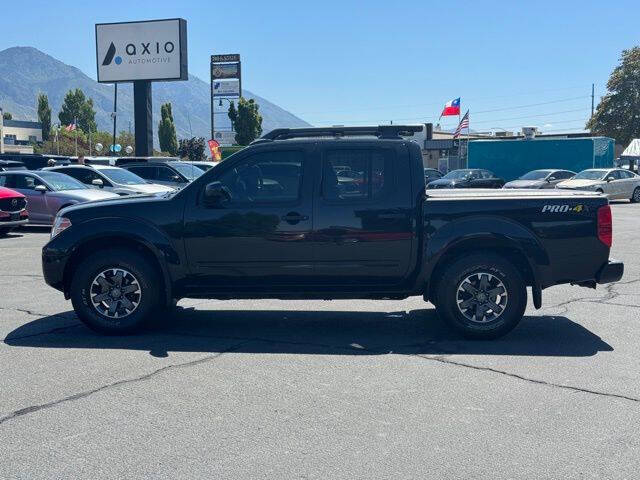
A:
<point x="481" y="296"/>
<point x="115" y="291"/>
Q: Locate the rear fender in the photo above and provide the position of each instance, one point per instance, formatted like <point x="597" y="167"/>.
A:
<point x="487" y="233"/>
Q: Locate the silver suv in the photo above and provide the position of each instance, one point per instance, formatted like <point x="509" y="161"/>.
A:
<point x="112" y="179"/>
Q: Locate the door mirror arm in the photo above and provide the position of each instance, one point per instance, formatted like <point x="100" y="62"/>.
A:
<point x="40" y="188"/>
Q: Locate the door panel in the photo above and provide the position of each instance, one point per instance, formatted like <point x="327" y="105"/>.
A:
<point x="259" y="239"/>
<point x="36" y="201"/>
<point x="363" y="226"/>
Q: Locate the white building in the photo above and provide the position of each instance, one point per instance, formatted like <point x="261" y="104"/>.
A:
<point x="17" y="136"/>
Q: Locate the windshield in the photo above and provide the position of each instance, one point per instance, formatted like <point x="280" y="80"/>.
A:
<point x="590" y="175"/>
<point x="190" y="172"/>
<point x="535" y="175"/>
<point x="122" y="176"/>
<point x="60" y="181"/>
<point x="457" y="174"/>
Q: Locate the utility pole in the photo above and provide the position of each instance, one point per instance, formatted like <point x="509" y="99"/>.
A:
<point x="593" y="89"/>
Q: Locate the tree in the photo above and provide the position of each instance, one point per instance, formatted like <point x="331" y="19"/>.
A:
<point x="7" y="116"/>
<point x="44" y="115"/>
<point x="618" y="113"/>
<point x="246" y="121"/>
<point x="167" y="130"/>
<point x="192" y="148"/>
<point x="76" y="107"/>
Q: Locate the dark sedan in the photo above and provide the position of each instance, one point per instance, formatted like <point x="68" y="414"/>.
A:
<point x="547" y="178"/>
<point x="468" y="178"/>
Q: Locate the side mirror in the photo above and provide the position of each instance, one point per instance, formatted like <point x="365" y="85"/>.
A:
<point x="551" y="179"/>
<point x="177" y="178"/>
<point x="610" y="179"/>
<point x="40" y="188"/>
<point x="216" y="194"/>
<point x="97" y="182"/>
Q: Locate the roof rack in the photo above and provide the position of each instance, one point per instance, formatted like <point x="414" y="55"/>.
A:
<point x="380" y="131"/>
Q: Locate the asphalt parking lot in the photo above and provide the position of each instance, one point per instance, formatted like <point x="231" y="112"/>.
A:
<point x="313" y="389"/>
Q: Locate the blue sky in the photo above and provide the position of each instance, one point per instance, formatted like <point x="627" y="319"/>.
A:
<point x="356" y="62"/>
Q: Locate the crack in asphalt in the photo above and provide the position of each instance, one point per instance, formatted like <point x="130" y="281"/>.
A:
<point x="87" y="393"/>
<point x="610" y="294"/>
<point x="445" y="360"/>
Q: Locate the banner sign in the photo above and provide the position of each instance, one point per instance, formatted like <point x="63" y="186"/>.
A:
<point x="147" y="50"/>
<point x="229" y="88"/>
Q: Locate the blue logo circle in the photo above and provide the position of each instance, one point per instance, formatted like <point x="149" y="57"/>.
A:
<point x="118" y="60"/>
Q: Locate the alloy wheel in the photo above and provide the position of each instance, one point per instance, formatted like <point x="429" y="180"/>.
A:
<point x="481" y="297"/>
<point x="115" y="293"/>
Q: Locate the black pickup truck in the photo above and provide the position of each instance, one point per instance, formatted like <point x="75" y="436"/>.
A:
<point x="333" y="213"/>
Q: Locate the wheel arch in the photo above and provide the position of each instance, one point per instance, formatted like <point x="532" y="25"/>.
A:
<point x="109" y="241"/>
<point x="486" y="244"/>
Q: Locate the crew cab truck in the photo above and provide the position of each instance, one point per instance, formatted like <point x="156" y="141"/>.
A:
<point x="328" y="213"/>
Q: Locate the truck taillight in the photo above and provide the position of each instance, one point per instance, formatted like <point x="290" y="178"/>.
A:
<point x="605" y="225"/>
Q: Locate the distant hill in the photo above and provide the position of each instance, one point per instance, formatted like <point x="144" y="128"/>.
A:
<point x="26" y="71"/>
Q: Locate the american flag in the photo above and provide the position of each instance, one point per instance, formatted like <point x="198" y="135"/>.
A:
<point x="464" y="123"/>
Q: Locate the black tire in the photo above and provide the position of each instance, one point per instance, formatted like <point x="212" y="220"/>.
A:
<point x="492" y="273"/>
<point x="86" y="286"/>
<point x="635" y="197"/>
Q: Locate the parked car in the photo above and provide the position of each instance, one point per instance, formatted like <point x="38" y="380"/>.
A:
<point x="35" y="161"/>
<point x="273" y="222"/>
<point x="173" y="174"/>
<point x="431" y="174"/>
<point x="615" y="183"/>
<point x="6" y="165"/>
<point x="13" y="210"/>
<point x="547" y="178"/>
<point x="468" y="178"/>
<point x="48" y="192"/>
<point x="204" y="166"/>
<point x="112" y="179"/>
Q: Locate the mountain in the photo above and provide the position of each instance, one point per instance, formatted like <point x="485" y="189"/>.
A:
<point x="26" y="71"/>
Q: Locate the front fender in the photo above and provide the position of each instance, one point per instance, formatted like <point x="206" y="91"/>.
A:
<point x="105" y="232"/>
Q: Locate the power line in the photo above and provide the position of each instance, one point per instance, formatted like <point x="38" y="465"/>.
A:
<point x="440" y="104"/>
<point x="480" y="112"/>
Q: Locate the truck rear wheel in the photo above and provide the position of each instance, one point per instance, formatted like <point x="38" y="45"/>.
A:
<point x="481" y="296"/>
<point x="114" y="291"/>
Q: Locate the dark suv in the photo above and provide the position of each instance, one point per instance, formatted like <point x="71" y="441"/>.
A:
<point x="172" y="173"/>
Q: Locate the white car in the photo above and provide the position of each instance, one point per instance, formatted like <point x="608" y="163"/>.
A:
<point x="615" y="183"/>
<point x="112" y="179"/>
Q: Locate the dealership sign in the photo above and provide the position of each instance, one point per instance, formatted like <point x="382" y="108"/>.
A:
<point x="226" y="89"/>
<point x="225" y="138"/>
<point x="148" y="50"/>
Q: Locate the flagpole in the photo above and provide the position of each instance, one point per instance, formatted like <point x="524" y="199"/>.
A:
<point x="468" y="134"/>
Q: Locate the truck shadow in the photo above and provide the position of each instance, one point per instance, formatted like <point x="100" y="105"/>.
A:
<point x="313" y="333"/>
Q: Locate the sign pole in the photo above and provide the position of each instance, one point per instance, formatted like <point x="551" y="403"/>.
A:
<point x="143" y="117"/>
<point x="115" y="109"/>
<point x="212" y="102"/>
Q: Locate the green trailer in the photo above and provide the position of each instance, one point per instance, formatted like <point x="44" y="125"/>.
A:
<point x="510" y="159"/>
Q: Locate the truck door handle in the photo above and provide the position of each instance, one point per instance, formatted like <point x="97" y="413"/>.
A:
<point x="294" y="217"/>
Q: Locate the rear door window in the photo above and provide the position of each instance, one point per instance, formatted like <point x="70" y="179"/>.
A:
<point x="148" y="173"/>
<point x="356" y="175"/>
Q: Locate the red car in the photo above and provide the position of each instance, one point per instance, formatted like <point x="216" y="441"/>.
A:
<point x="13" y="210"/>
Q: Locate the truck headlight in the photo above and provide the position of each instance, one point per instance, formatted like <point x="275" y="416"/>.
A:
<point x="60" y="224"/>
